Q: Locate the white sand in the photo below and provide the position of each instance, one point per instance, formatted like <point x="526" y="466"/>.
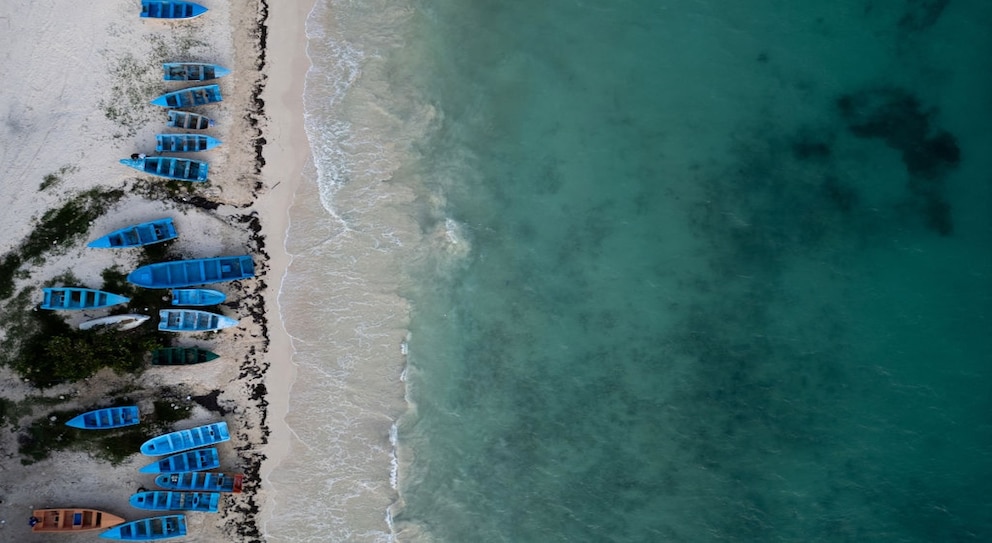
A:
<point x="74" y="102"/>
<point x="286" y="155"/>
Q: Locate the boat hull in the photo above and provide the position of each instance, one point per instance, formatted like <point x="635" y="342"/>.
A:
<point x="159" y="500"/>
<point x="184" y="143"/>
<point x="204" y="481"/>
<point x="181" y="356"/>
<point x="137" y="235"/>
<point x="106" y="418"/>
<point x="75" y="299"/>
<point x="192" y="320"/>
<point x="198" y="460"/>
<point x="180" y="169"/>
<point x="149" y="529"/>
<point x="187" y="273"/>
<point x="184" y="440"/>
<point x="190" y="97"/>
<point x="197" y="297"/>
<point x="151" y="9"/>
<point x="188" y="121"/>
<point x="72" y="520"/>
<point x="192" y="71"/>
<point x="116" y="322"/>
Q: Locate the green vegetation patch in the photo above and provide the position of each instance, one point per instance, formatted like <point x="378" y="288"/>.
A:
<point x="53" y="179"/>
<point x="7" y="410"/>
<point x="49" y="433"/>
<point x="56" y="231"/>
<point x="42" y="348"/>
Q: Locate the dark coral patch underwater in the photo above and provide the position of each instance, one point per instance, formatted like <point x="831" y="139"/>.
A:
<point x="929" y="152"/>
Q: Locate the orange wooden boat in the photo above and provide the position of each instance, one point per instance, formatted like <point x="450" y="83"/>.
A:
<point x="72" y="520"/>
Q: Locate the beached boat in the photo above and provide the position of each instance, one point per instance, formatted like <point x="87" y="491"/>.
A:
<point x="197" y="296"/>
<point x="192" y="71"/>
<point x="165" y="500"/>
<point x="72" y="520"/>
<point x="190" y="97"/>
<point x="201" y="480"/>
<point x="181" y="169"/>
<point x="198" y="460"/>
<point x="181" y="356"/>
<point x="106" y="418"/>
<point x="192" y="320"/>
<point x="115" y="322"/>
<point x="166" y="9"/>
<point x="149" y="529"/>
<point x="137" y="235"/>
<point x="198" y="271"/>
<point x="74" y="298"/>
<point x="184" y="143"/>
<point x="184" y="440"/>
<point x="188" y="121"/>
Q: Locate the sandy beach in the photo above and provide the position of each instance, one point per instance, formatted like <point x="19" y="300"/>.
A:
<point x="76" y="101"/>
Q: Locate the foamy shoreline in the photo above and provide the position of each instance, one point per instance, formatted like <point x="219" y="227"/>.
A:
<point x="287" y="153"/>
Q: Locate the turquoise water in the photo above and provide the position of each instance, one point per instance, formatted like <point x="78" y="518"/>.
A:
<point x="727" y="280"/>
<point x="712" y="271"/>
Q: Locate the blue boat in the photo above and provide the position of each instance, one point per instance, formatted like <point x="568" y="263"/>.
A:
<point x="137" y="235"/>
<point x="188" y="121"/>
<point x="181" y="169"/>
<point x="199" y="271"/>
<point x="106" y="418"/>
<point x="190" y="97"/>
<point x="192" y="71"/>
<point x="197" y="296"/>
<point x="192" y="320"/>
<point x="74" y="298"/>
<point x="184" y="440"/>
<point x="164" y="500"/>
<point x="163" y="9"/>
<point x="149" y="529"/>
<point x="181" y="356"/>
<point x="197" y="460"/>
<point x="201" y="480"/>
<point x="184" y="143"/>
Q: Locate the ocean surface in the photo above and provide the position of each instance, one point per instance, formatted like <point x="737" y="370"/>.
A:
<point x="642" y="271"/>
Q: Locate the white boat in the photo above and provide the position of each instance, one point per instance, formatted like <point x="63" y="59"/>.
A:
<point x="117" y="322"/>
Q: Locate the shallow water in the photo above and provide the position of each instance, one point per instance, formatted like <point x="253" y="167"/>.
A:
<point x="669" y="273"/>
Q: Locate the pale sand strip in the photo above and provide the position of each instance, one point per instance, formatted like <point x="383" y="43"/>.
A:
<point x="60" y="75"/>
<point x="286" y="153"/>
